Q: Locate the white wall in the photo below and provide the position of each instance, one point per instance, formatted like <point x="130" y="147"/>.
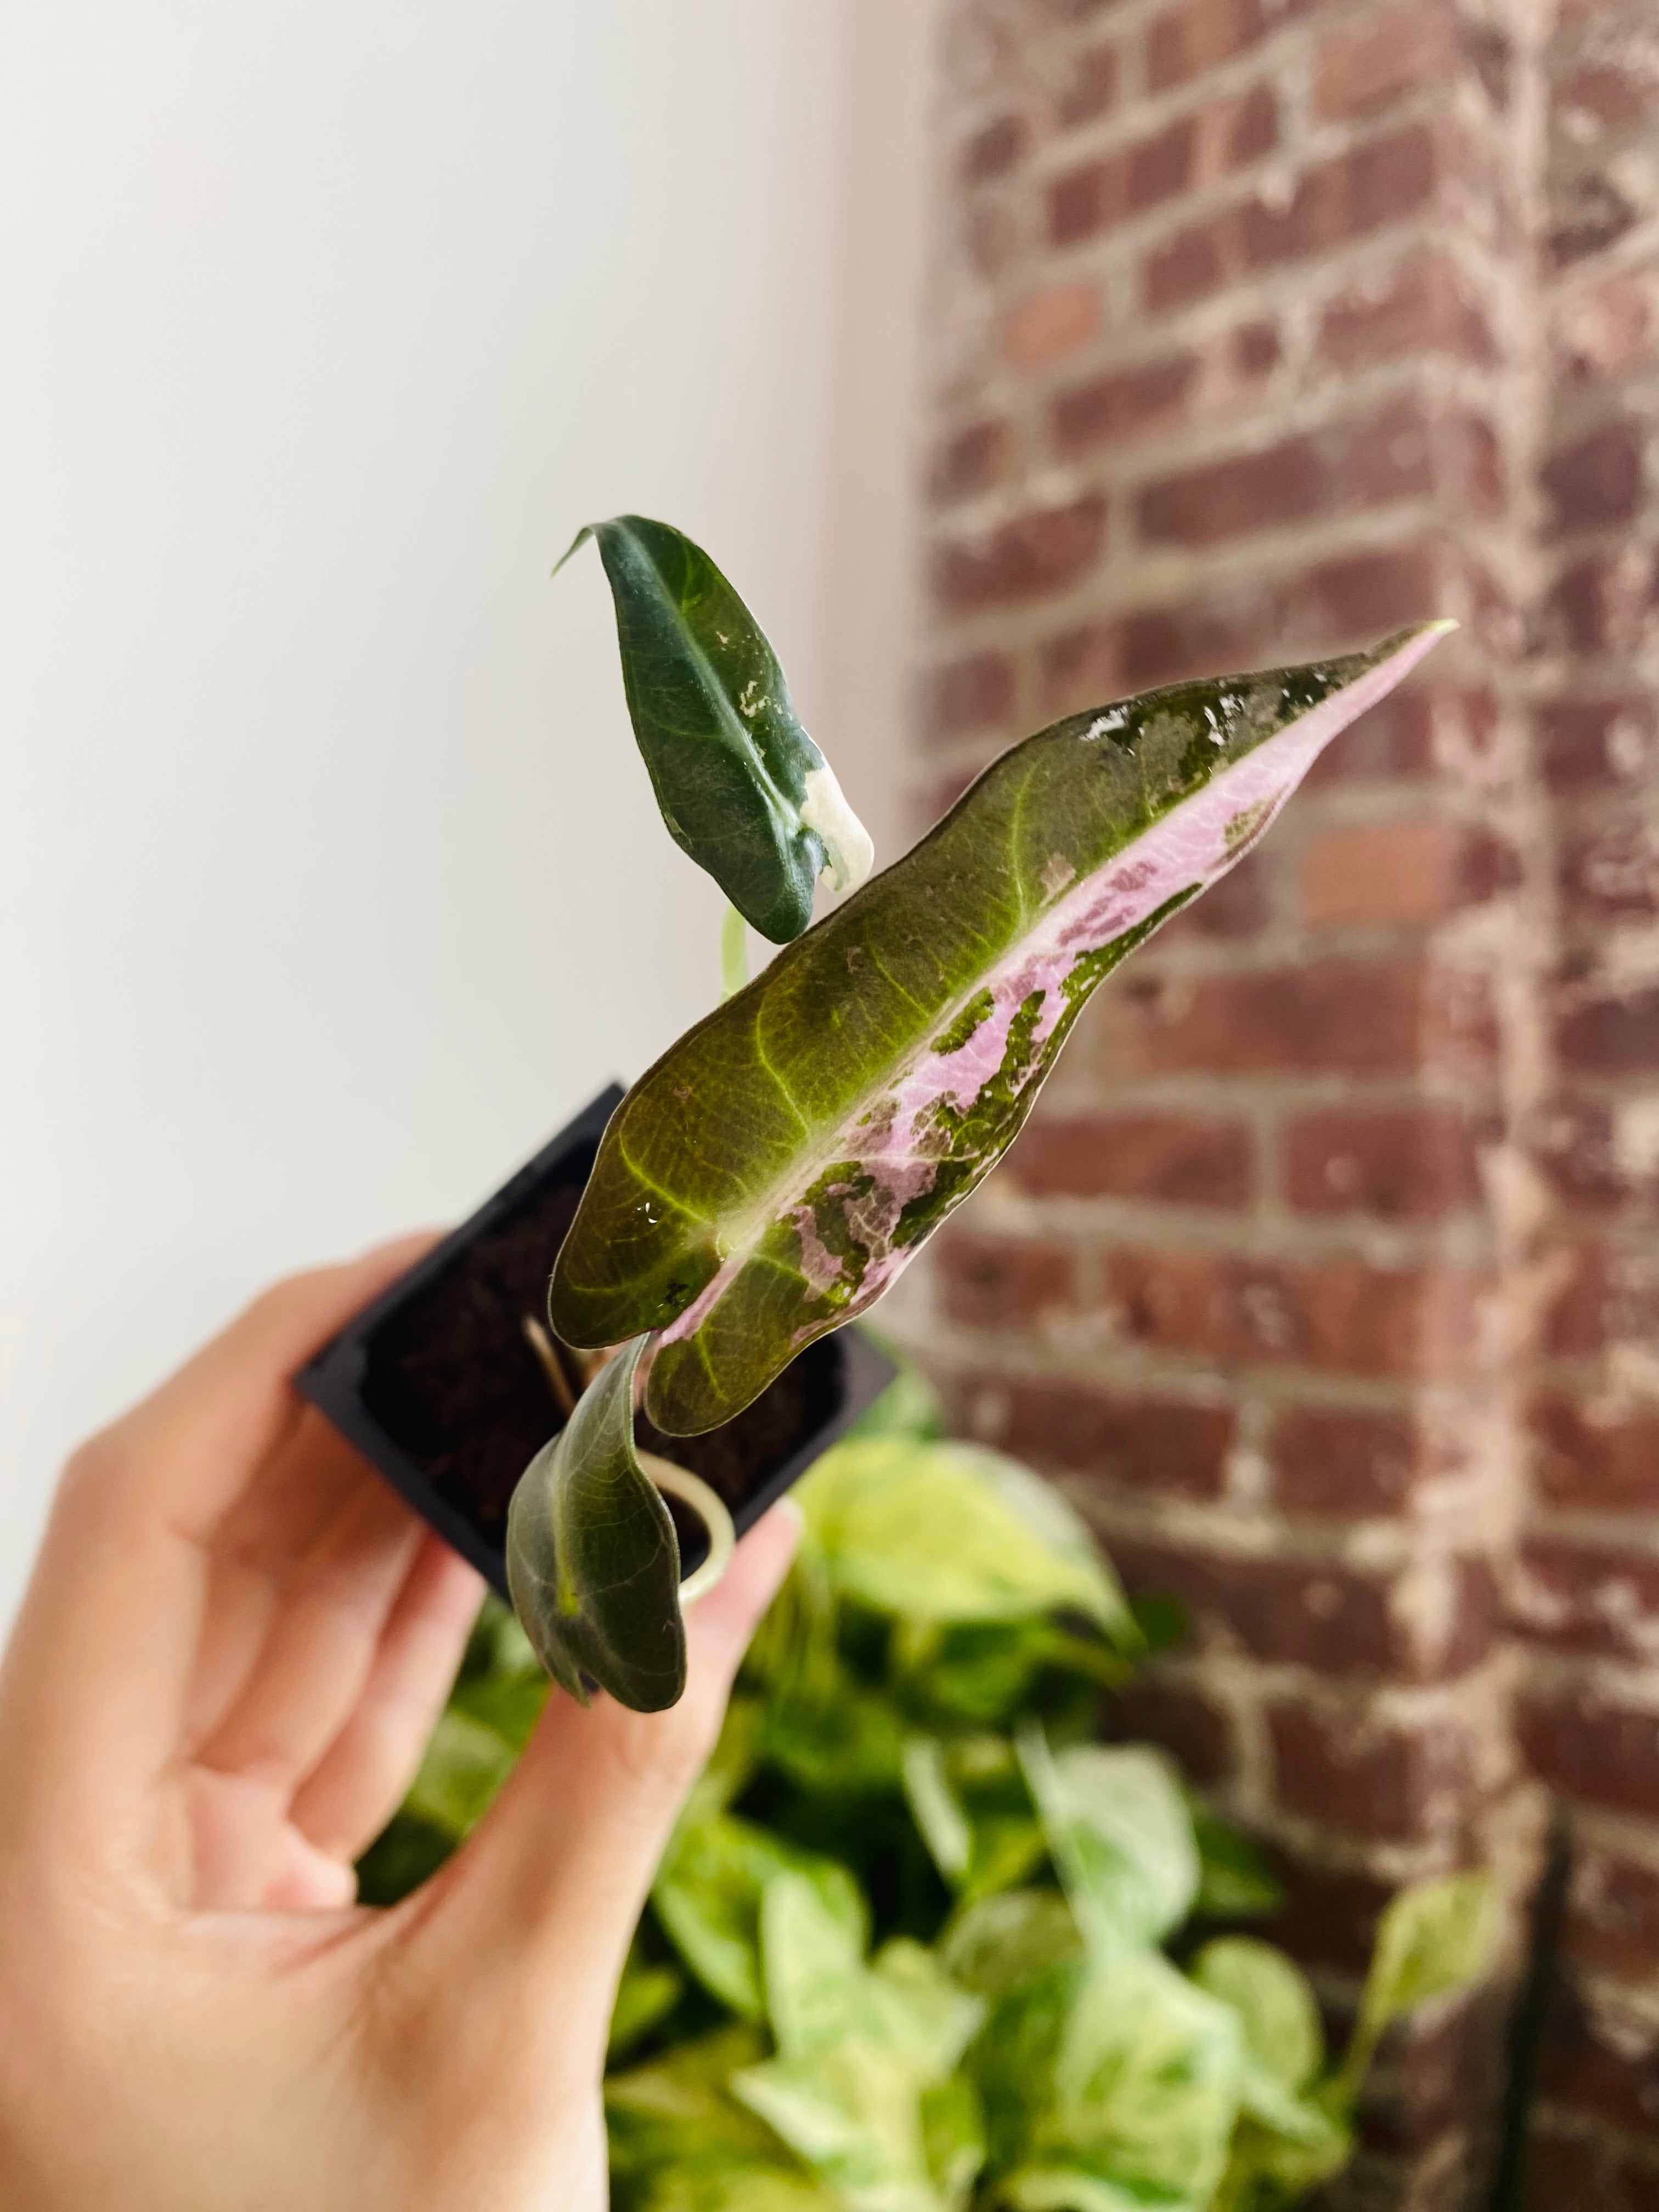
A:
<point x="329" y="880"/>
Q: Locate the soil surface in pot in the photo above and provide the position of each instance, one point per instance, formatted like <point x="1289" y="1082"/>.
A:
<point x="452" y="1379"/>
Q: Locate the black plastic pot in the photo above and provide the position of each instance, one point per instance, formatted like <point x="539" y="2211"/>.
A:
<point x="437" y="1383"/>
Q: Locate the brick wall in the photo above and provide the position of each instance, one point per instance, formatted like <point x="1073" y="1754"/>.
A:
<point x="1587" y="1597"/>
<point x="1323" y="1273"/>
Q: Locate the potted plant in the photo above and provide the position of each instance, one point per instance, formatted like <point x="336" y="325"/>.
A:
<point x="918" y="1940"/>
<point x="769" y="1176"/>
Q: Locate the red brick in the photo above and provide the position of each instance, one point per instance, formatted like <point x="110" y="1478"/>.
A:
<point x="1606" y="602"/>
<point x="1583" y="1597"/>
<point x="1613" y="1912"/>
<point x="969" y="460"/>
<point x="1612" y="97"/>
<point x="1413" y="1164"/>
<point x="1590" y="214"/>
<point x="1593" y="1747"/>
<point x="1158" y="1711"/>
<point x="1399" y="874"/>
<point x="994" y="150"/>
<point x="1440" y="2073"/>
<point x="1599" y="481"/>
<point x="1375" y="183"/>
<point x="1579" y="1153"/>
<point x="1578" y="2071"/>
<point x="1189" y="265"/>
<point x="1284" y="483"/>
<point x="1597" y="744"/>
<point x="974" y="694"/>
<point x="1611" y="1037"/>
<point x="1172" y="1156"/>
<point x="1353" y="1772"/>
<point x="1364" y="67"/>
<point x="1187" y="39"/>
<point x="1580" y="2173"/>
<point x="1612" y="874"/>
<point x="1045" y="326"/>
<point x="1393" y="740"/>
<point x="1090" y="87"/>
<point x="1235" y="132"/>
<point x="1423" y="308"/>
<point x="1356" y="1017"/>
<point x="1609" y="329"/>
<point x="1254" y="348"/>
<point x="1340" y="1316"/>
<point x="1035" y="554"/>
<point x="1364" y="593"/>
<point x="1124" y="403"/>
<point x="1473" y="473"/>
<point x="1286" y="1612"/>
<point x="1089" y="199"/>
<point x="1356" y="1465"/>
<point x="997" y="1282"/>
<point x="1589" y="1461"/>
<point x="1573" y="1322"/>
<point x="1330" y="1915"/>
<point x="1139" y="1445"/>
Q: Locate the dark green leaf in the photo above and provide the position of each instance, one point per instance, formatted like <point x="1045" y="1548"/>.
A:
<point x="1236" y="1880"/>
<point x="769" y="1177"/>
<point x="741" y="788"/>
<point x="593" y="1561"/>
<point x="646" y="1994"/>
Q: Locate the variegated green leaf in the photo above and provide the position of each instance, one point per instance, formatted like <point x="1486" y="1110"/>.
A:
<point x="593" y="1560"/>
<point x="741" y="788"/>
<point x="770" y="1176"/>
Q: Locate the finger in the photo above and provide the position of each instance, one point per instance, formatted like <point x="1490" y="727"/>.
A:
<point x="544" y="1897"/>
<point x="97" y="1672"/>
<point x="358" y="1784"/>
<point x="314" y="1477"/>
<point x="321" y="1648"/>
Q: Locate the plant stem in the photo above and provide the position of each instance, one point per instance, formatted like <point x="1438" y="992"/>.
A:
<point x="734" y="953"/>
<point x="542" y="1344"/>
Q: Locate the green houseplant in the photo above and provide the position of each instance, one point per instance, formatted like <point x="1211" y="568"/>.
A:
<point x="767" y="1180"/>
<point x="919" y="1943"/>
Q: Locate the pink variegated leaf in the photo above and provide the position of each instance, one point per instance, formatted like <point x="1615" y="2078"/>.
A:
<point x="770" y="1177"/>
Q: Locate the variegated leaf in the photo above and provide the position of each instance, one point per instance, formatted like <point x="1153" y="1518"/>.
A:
<point x="767" y="1179"/>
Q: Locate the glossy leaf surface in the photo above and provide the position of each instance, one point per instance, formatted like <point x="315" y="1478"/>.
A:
<point x="593" y="1560"/>
<point x="770" y="1176"/>
<point x="741" y="788"/>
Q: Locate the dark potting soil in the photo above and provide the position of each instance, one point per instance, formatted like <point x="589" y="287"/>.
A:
<point x="452" y="1380"/>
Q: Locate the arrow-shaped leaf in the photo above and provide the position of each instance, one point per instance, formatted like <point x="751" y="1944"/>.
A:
<point x="770" y="1176"/>
<point x="741" y="788"/>
<point x="593" y="1560"/>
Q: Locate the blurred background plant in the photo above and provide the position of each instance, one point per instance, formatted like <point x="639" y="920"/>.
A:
<point x="918" y="1939"/>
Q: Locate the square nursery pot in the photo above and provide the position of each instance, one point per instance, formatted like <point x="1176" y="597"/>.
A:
<point x="437" y="1383"/>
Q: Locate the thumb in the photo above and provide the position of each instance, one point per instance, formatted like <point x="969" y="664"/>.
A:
<point x="544" y="1896"/>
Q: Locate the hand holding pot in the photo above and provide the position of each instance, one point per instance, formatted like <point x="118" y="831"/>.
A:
<point x="235" y="1645"/>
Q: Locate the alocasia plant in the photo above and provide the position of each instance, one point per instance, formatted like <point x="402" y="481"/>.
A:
<point x="767" y="1180"/>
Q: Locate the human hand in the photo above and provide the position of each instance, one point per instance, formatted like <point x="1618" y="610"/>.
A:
<point x="235" y="1644"/>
